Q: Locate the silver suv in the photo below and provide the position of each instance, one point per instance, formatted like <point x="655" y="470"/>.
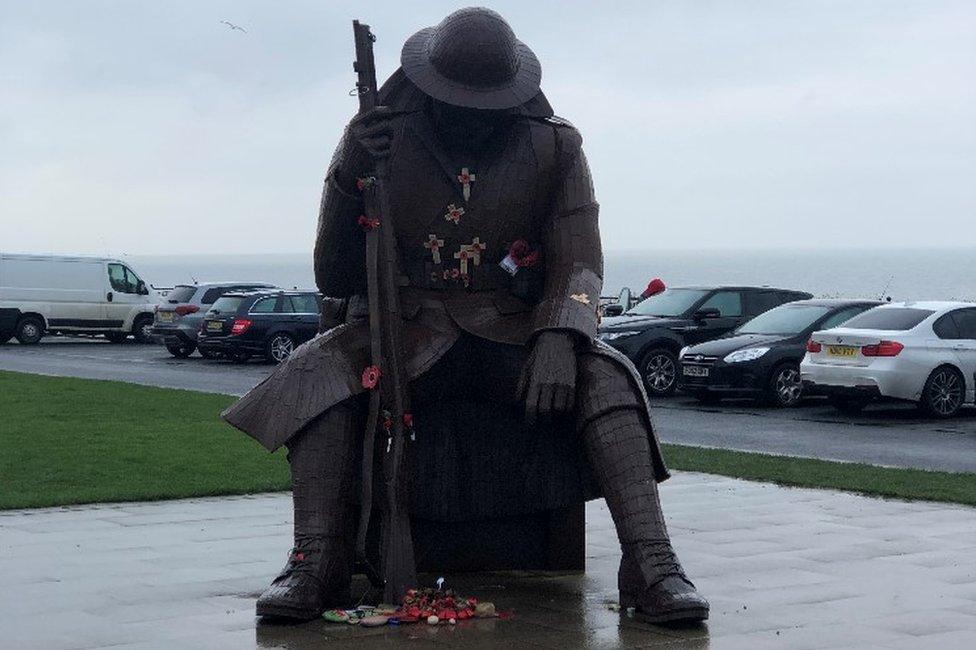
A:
<point x="179" y="315"/>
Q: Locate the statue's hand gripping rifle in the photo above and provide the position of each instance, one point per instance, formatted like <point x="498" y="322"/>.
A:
<point x="390" y="394"/>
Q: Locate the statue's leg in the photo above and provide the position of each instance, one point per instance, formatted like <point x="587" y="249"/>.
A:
<point x="616" y="436"/>
<point x="323" y="458"/>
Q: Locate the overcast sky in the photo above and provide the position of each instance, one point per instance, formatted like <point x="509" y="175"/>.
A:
<point x="149" y="127"/>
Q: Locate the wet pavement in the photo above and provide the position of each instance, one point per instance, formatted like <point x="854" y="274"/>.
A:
<point x="892" y="435"/>
<point x="783" y="568"/>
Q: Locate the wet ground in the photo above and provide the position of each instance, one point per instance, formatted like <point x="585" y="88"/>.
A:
<point x="783" y="568"/>
<point x="893" y="435"/>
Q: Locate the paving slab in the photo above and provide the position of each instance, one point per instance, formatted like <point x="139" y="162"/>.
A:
<point x="783" y="568"/>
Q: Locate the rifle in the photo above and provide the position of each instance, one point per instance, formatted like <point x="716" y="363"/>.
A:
<point x="386" y="351"/>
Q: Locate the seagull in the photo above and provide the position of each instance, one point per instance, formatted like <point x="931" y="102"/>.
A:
<point x="233" y="26"/>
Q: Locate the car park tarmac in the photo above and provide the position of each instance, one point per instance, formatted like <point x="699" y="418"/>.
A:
<point x="884" y="434"/>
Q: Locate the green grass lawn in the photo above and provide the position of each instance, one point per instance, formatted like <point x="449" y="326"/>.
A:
<point x="67" y="441"/>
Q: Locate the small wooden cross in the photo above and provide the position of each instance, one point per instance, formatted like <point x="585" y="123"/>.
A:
<point x="465" y="178"/>
<point x="471" y="252"/>
<point x="454" y="213"/>
<point x="462" y="256"/>
<point x="433" y="244"/>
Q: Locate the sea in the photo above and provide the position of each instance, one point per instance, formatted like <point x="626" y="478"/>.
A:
<point x="901" y="273"/>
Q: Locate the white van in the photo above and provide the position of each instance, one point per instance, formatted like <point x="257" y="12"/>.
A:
<point x="68" y="294"/>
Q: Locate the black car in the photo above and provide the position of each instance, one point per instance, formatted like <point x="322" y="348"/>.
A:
<point x="259" y="323"/>
<point x="762" y="358"/>
<point x="654" y="331"/>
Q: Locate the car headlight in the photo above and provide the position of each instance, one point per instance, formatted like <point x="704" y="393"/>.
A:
<point x="749" y="354"/>
<point x="683" y="352"/>
<point x="612" y="336"/>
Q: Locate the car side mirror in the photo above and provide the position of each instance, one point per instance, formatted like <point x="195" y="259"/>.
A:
<point x="707" y="312"/>
<point x="615" y="309"/>
<point x="142" y="289"/>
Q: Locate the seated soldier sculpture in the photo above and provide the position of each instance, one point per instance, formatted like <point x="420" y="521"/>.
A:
<point x="500" y="270"/>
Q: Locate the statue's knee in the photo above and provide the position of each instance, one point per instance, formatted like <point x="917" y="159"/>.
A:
<point x="605" y="387"/>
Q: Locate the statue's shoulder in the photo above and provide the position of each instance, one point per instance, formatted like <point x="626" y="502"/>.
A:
<point x="555" y="120"/>
<point x="567" y="139"/>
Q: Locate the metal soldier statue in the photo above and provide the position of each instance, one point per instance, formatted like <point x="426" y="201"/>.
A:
<point x="500" y="271"/>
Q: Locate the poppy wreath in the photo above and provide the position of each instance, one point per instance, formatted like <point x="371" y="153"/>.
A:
<point x="522" y="254"/>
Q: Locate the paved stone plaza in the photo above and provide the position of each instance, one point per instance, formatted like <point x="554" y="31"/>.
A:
<point x="783" y="568"/>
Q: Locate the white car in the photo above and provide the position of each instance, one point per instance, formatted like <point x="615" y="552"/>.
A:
<point x="923" y="352"/>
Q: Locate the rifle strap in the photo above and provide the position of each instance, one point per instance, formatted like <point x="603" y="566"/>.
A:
<point x="372" y="419"/>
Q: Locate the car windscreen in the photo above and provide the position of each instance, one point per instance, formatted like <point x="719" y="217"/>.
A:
<point x="888" y="318"/>
<point x="671" y="302"/>
<point x="785" y="319"/>
<point x="180" y="293"/>
<point x="226" y="305"/>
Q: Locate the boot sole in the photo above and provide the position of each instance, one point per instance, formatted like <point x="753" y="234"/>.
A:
<point x="695" y="615"/>
<point x="689" y="615"/>
<point x="270" y="610"/>
<point x="283" y="612"/>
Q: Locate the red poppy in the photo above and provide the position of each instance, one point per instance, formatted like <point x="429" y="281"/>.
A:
<point x="408" y="420"/>
<point x="522" y="255"/>
<point x="368" y="224"/>
<point x="371" y="377"/>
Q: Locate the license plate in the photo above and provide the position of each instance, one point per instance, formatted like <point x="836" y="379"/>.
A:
<point x="165" y="317"/>
<point x="841" y="350"/>
<point x="214" y="326"/>
<point x="695" y="371"/>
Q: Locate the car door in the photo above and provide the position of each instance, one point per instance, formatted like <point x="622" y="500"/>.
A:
<point x="306" y="314"/>
<point x="964" y="346"/>
<point x="729" y="304"/>
<point x="122" y="295"/>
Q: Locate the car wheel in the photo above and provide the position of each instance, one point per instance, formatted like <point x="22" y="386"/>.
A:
<point x="116" y="337"/>
<point x="211" y="354"/>
<point x="784" y="388"/>
<point x="848" y="405"/>
<point x="142" y="329"/>
<point x="181" y="350"/>
<point x="30" y="330"/>
<point x="659" y="369"/>
<point x="280" y="347"/>
<point x="944" y="393"/>
<point x="239" y="356"/>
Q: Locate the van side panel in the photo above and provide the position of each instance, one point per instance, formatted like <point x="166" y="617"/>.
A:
<point x="65" y="292"/>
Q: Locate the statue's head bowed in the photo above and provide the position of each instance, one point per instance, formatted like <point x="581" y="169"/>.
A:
<point x="472" y="59"/>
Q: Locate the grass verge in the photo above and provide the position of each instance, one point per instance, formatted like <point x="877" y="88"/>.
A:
<point x="67" y="441"/>
<point x="806" y="472"/>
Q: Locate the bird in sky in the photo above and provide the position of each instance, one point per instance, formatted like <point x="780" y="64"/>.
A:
<point x="233" y="26"/>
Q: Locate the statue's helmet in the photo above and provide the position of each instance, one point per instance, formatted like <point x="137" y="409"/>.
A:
<point x="472" y="59"/>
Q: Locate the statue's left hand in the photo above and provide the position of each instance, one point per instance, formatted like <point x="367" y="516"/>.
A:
<point x="548" y="382"/>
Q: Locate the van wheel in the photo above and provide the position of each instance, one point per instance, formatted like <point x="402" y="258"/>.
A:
<point x="142" y="328"/>
<point x="944" y="393"/>
<point x="116" y="337"/>
<point x="181" y="350"/>
<point x="30" y="330"/>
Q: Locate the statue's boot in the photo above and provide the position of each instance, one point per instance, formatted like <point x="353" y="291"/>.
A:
<point x="650" y="579"/>
<point x="318" y="573"/>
